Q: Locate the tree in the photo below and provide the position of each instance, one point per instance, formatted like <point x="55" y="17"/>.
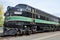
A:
<point x="1" y="15"/>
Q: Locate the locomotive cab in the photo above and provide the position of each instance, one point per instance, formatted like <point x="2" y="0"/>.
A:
<point x="12" y="12"/>
<point x="15" y="18"/>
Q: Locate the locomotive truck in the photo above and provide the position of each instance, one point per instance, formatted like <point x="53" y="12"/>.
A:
<point x="24" y="19"/>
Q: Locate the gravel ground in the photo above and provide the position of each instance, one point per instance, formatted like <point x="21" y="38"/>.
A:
<point x="29" y="37"/>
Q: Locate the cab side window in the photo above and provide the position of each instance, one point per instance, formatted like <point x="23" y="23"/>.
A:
<point x="38" y="16"/>
<point x="29" y="9"/>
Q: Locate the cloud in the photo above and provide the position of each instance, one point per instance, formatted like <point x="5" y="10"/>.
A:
<point x="6" y="3"/>
<point x="50" y="6"/>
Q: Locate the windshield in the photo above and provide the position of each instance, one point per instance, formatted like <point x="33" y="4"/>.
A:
<point x="21" y="6"/>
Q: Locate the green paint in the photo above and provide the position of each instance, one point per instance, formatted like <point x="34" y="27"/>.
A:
<point x="47" y="22"/>
<point x="21" y="18"/>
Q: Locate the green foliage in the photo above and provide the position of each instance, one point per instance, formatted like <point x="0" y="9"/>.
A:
<point x="1" y="20"/>
<point x="1" y="16"/>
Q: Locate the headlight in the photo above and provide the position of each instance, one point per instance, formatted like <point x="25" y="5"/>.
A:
<point x="25" y="26"/>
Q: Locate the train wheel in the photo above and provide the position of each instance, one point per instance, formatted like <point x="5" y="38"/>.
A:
<point x="28" y="32"/>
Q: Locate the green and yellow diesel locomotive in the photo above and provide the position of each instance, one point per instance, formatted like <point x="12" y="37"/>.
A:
<point x="24" y="19"/>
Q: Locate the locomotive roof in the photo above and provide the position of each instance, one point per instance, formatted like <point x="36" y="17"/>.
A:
<point x="45" y="13"/>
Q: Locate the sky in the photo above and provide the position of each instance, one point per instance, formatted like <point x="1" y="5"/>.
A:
<point x="49" y="6"/>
